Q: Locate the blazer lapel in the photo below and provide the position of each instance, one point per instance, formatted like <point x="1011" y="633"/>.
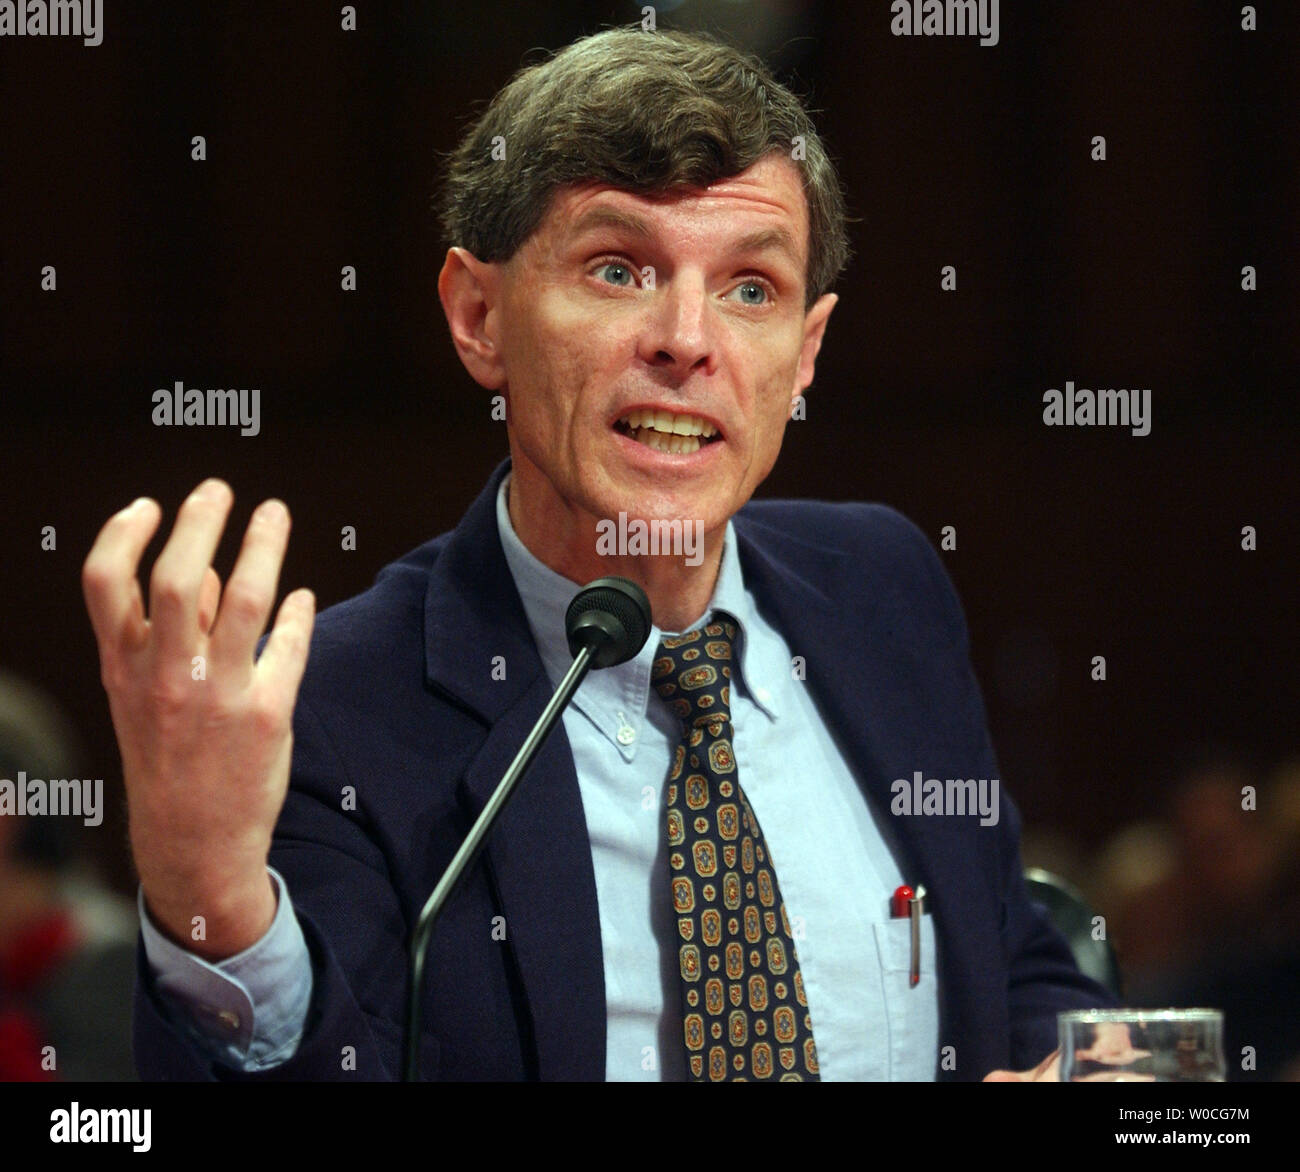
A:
<point x="799" y="583"/>
<point x="538" y="855"/>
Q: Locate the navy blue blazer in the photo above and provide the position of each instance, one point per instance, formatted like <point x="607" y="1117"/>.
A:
<point x="401" y="732"/>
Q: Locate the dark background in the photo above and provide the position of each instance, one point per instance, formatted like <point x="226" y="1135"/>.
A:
<point x="324" y="150"/>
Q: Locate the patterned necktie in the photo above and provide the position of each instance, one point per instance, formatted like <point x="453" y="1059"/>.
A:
<point x="744" y="1008"/>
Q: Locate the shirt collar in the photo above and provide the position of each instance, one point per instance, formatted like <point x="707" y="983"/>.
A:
<point x="615" y="699"/>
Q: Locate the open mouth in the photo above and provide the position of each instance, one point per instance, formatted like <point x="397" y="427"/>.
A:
<point x="667" y="431"/>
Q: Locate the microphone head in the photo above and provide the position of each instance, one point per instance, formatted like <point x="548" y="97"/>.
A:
<point x="612" y="617"/>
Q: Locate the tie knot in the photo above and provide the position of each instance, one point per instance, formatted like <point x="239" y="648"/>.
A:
<point x="692" y="672"/>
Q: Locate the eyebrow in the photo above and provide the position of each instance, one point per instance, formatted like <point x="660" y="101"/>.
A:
<point x="611" y="218"/>
<point x="763" y="240"/>
<point x="768" y="239"/>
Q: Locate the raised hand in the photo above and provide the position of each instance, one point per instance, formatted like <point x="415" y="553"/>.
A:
<point x="205" y="732"/>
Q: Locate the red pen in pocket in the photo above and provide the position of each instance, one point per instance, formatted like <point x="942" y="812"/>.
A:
<point x="910" y="903"/>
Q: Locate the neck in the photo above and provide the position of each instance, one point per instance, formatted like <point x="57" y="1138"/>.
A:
<point x="679" y="583"/>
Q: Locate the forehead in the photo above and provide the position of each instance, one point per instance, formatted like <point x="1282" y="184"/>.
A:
<point x="766" y="198"/>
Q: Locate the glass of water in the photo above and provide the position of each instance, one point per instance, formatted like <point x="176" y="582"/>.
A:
<point x="1142" y="1045"/>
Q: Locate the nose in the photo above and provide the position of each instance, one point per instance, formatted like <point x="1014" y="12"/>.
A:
<point x="679" y="335"/>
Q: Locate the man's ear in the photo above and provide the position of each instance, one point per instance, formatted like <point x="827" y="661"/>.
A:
<point x="469" y="290"/>
<point x="814" y="328"/>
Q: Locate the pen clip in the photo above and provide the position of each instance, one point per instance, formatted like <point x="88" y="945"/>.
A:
<point x="916" y="908"/>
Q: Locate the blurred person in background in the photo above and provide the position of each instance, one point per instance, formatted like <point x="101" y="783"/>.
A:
<point x="1249" y="960"/>
<point x="67" y="943"/>
<point x="1204" y="908"/>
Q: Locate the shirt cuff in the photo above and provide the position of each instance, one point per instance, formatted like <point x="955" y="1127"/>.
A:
<point x="247" y="1011"/>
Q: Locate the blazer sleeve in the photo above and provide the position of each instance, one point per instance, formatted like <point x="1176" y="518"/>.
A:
<point x="336" y="876"/>
<point x="1042" y="977"/>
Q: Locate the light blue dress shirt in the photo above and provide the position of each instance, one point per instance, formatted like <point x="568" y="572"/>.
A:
<point x="833" y="860"/>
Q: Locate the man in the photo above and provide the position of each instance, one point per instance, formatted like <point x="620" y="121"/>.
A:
<point x="644" y="232"/>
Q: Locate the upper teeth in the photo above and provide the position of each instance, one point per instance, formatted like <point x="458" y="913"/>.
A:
<point x="668" y="422"/>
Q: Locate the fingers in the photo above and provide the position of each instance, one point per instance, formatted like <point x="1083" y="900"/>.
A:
<point x="209" y="598"/>
<point x="250" y="592"/>
<point x="181" y="568"/>
<point x="1049" y="1070"/>
<point x="108" y="577"/>
<point x="284" y="658"/>
<point x="186" y="595"/>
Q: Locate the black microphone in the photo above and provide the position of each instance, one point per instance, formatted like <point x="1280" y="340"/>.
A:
<point x="611" y="618"/>
<point x="607" y="623"/>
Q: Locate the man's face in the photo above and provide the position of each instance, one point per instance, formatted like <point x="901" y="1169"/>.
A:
<point x="623" y="319"/>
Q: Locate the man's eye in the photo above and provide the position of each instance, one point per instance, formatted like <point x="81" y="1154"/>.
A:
<point x="616" y="274"/>
<point x="751" y="293"/>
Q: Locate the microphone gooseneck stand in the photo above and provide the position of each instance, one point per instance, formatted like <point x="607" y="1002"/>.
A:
<point x="607" y="623"/>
